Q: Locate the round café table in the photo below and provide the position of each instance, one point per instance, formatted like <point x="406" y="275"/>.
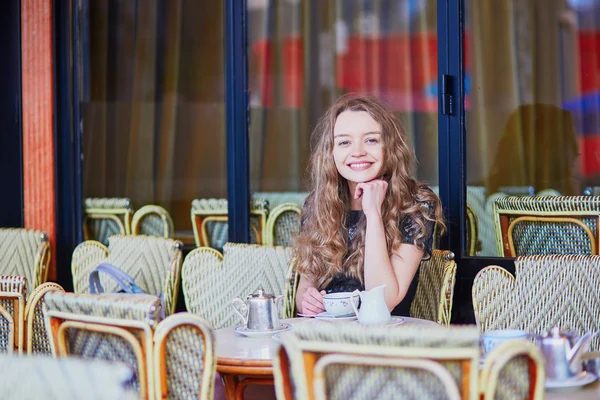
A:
<point x="243" y="361"/>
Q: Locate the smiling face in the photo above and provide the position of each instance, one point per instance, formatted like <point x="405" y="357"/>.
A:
<point x="357" y="147"/>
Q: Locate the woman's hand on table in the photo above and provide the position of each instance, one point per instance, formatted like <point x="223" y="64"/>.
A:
<point x="312" y="301"/>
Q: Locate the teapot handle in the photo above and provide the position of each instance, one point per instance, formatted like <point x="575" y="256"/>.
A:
<point x="279" y="304"/>
<point x="243" y="307"/>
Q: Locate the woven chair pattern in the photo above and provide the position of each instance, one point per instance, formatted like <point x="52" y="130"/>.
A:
<point x="103" y="346"/>
<point x="549" y="290"/>
<point x="153" y="263"/>
<point x="366" y="382"/>
<point x="152" y="220"/>
<point x="283" y="224"/>
<point x="38" y="341"/>
<point x="514" y="380"/>
<point x="25" y="252"/>
<point x="32" y="378"/>
<point x="137" y="307"/>
<point x="216" y="232"/>
<point x="277" y="198"/>
<point x="186" y="354"/>
<point x="209" y="284"/>
<point x="545" y="234"/>
<point x="13" y="289"/>
<point x="435" y="290"/>
<point x="105" y="217"/>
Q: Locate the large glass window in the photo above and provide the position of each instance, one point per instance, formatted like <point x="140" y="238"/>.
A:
<point x="532" y="102"/>
<point x="152" y="103"/>
<point x="304" y="54"/>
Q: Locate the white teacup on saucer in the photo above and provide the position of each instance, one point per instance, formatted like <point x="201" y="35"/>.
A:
<point x="340" y="303"/>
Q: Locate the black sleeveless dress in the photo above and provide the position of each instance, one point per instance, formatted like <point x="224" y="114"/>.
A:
<point x="409" y="230"/>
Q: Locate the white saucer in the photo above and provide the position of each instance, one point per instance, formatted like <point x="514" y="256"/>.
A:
<point x="393" y="322"/>
<point x="326" y="316"/>
<point x="579" y="380"/>
<point x="242" y="330"/>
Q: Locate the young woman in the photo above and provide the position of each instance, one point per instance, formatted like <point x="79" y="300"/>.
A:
<point x="366" y="221"/>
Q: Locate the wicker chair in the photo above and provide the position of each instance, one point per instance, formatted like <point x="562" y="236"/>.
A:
<point x="433" y="300"/>
<point x="349" y="361"/>
<point x="26" y="253"/>
<point x="153" y="220"/>
<point x="33" y="378"/>
<point x="546" y="291"/>
<point x="171" y="359"/>
<point x="13" y="293"/>
<point x="154" y="263"/>
<point x="546" y="225"/>
<point x="209" y="221"/>
<point x="211" y="280"/>
<point x="38" y="341"/>
<point x="283" y="224"/>
<point x="105" y="217"/>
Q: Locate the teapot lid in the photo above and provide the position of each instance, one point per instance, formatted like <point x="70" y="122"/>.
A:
<point x="556" y="333"/>
<point x="260" y="295"/>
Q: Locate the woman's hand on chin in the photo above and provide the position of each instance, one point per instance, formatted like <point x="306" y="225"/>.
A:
<point x="312" y="301"/>
<point x="372" y="194"/>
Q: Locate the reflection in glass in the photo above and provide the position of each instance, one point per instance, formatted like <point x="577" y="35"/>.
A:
<point x="153" y="103"/>
<point x="532" y="103"/>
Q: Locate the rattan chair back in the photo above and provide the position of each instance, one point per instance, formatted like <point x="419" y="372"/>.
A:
<point x="152" y="220"/>
<point x="13" y="293"/>
<point x="105" y="217"/>
<point x="210" y="221"/>
<point x="546" y="291"/>
<point x="211" y="280"/>
<point x="342" y="361"/>
<point x="435" y="290"/>
<point x="37" y="338"/>
<point x="184" y="357"/>
<point x="33" y="378"/>
<point x="26" y="253"/>
<point x="154" y="264"/>
<point x="546" y="225"/>
<point x="112" y="327"/>
<point x="283" y="224"/>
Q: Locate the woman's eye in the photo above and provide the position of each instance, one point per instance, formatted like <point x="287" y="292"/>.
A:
<point x="372" y="140"/>
<point x="343" y="143"/>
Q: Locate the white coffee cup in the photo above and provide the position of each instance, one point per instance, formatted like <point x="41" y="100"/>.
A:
<point x="493" y="338"/>
<point x="339" y="303"/>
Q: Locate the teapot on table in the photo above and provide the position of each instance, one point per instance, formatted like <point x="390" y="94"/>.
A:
<point x="563" y="352"/>
<point x="373" y="308"/>
<point x="260" y="311"/>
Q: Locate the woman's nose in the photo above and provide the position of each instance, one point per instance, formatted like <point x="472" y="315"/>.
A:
<point x="358" y="149"/>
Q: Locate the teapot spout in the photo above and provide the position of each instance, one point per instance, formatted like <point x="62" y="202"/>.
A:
<point x="579" y="349"/>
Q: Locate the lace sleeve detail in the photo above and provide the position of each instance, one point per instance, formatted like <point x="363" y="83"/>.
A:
<point x="410" y="229"/>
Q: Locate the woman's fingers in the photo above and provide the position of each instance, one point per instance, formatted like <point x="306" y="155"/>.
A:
<point x="312" y="301"/>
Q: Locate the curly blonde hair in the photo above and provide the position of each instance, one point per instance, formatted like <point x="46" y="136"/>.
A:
<point x="321" y="245"/>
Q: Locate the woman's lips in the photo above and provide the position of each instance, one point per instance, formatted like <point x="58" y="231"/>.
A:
<point x="359" y="166"/>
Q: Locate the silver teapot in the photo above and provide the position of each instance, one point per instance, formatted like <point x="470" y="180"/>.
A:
<point x="260" y="311"/>
<point x="563" y="352"/>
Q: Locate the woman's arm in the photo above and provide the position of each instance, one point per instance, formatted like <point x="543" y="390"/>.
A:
<point x="309" y="300"/>
<point x="397" y="271"/>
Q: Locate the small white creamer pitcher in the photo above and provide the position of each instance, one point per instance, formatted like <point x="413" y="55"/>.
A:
<point x="373" y="308"/>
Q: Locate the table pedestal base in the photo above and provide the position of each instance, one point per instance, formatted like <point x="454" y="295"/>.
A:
<point x="235" y="385"/>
